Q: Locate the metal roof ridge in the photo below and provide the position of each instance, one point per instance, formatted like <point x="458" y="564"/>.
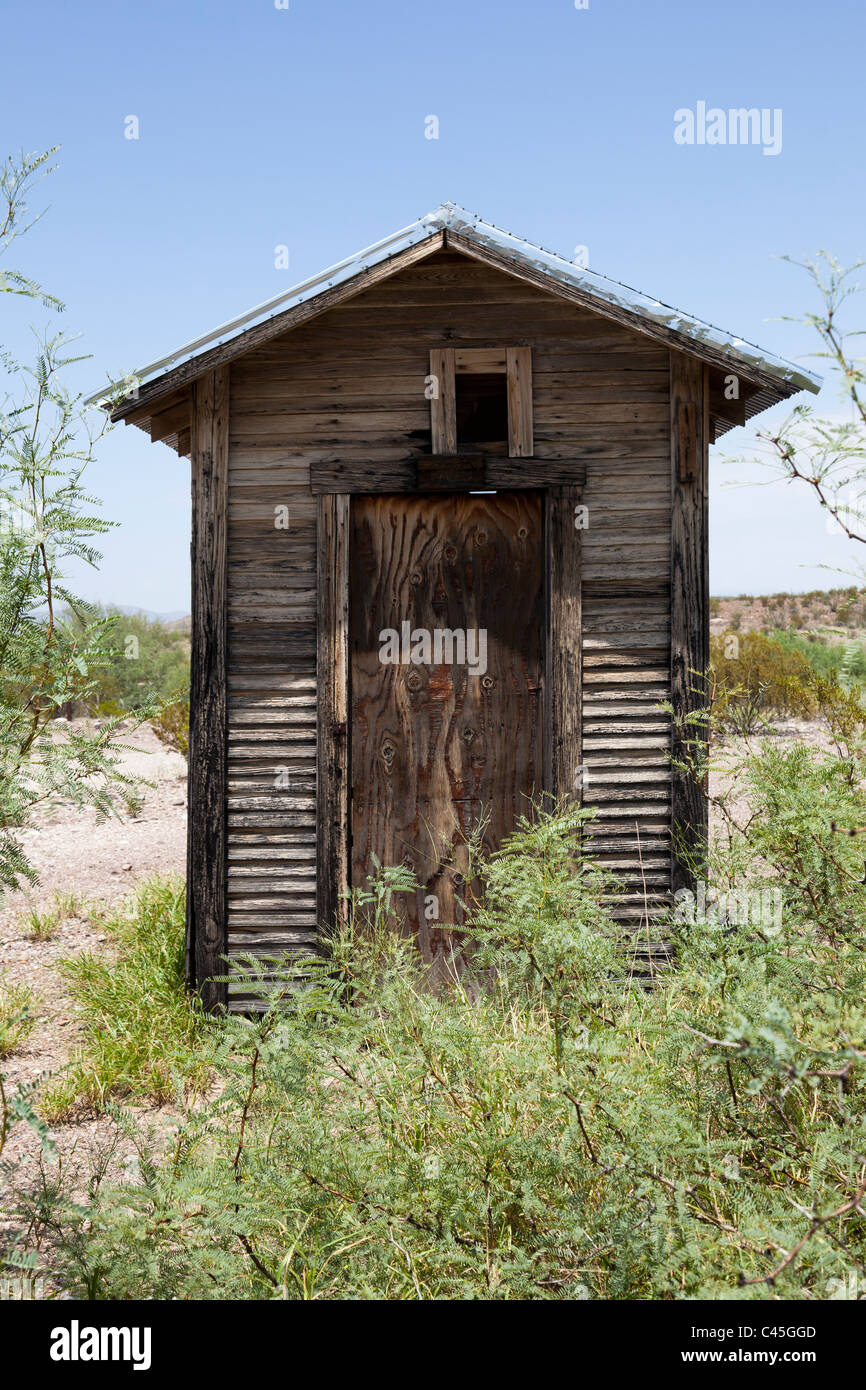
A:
<point x="450" y="216"/>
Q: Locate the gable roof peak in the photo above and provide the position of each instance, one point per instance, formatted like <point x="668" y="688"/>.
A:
<point x="462" y="230"/>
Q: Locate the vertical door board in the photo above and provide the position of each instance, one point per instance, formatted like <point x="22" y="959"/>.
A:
<point x="434" y="746"/>
<point x="564" y="683"/>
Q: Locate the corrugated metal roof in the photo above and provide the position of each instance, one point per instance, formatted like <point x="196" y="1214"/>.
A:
<point x="451" y="217"/>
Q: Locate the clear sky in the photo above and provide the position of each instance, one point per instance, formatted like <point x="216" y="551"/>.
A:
<point x="305" y="126"/>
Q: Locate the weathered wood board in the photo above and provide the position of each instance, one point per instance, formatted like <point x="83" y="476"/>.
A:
<point x="206" y="829"/>
<point x="439" y="743"/>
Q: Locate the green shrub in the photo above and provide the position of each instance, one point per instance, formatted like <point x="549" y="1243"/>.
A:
<point x="16" y="1016"/>
<point x="143" y="660"/>
<point x="42" y="926"/>
<point x="171" y="726"/>
<point x="544" y="1128"/>
<point x="755" y="678"/>
<point x="142" y="1032"/>
<point x="752" y="676"/>
<point x="827" y="658"/>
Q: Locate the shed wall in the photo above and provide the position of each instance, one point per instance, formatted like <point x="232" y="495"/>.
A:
<point x="349" y="386"/>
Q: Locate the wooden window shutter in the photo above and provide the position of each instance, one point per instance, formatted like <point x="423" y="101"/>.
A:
<point x="443" y="402"/>
<point x="518" y="368"/>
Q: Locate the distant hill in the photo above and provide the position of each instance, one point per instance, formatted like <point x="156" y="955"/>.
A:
<point x="837" y="614"/>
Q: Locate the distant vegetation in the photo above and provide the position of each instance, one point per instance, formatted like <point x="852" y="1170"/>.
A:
<point x="756" y="678"/>
<point x="141" y="662"/>
<point x="789" y="656"/>
<point x="834" y="612"/>
<point x="825" y="657"/>
<point x="144" y="660"/>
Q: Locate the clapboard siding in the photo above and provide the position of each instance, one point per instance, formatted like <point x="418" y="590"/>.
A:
<point x="349" y="387"/>
<point x="271" y="791"/>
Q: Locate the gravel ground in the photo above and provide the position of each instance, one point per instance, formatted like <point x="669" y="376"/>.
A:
<point x="99" y="864"/>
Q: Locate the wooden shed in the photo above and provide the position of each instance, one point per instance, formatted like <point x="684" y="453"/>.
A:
<point x="449" y="551"/>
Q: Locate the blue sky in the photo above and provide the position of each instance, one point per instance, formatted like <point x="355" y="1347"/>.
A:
<point x="305" y="126"/>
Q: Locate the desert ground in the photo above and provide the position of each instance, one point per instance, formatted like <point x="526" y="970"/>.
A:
<point x="99" y="864"/>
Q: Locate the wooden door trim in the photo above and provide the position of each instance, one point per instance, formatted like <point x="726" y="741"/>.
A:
<point x="333" y="741"/>
<point x="417" y="472"/>
<point x="563" y="702"/>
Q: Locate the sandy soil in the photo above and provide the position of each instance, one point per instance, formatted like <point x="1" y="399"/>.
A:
<point x="99" y="863"/>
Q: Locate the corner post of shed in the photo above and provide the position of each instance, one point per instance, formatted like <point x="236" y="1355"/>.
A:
<point x="332" y="721"/>
<point x="206" y="904"/>
<point x="563" y="718"/>
<point x="690" y="606"/>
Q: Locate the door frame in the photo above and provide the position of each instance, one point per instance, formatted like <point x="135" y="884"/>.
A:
<point x="562" y="664"/>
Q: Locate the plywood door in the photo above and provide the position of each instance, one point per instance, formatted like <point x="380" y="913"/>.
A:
<point x="438" y="743"/>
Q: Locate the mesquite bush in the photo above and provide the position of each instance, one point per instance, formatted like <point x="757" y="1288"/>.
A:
<point x="553" y="1124"/>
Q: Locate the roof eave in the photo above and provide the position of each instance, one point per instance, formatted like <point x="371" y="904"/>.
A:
<point x="455" y="227"/>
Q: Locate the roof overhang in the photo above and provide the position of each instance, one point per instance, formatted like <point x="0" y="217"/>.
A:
<point x="154" y="396"/>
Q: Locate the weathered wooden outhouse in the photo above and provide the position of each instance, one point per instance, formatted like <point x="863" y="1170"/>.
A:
<point x="449" y="551"/>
